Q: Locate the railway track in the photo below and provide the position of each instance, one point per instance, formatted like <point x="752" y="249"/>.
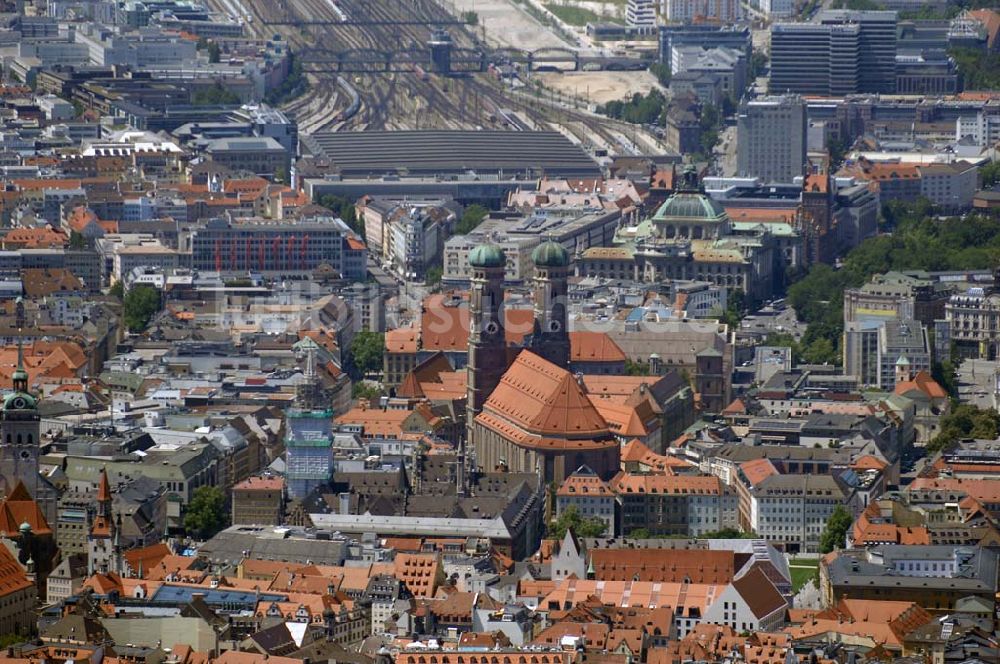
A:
<point x="400" y="100"/>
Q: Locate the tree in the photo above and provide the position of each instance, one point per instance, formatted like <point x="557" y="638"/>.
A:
<point x="661" y="70"/>
<point x="835" y="534"/>
<point x="363" y="390"/>
<point x="980" y="70"/>
<point x="636" y="368"/>
<point x="758" y="64"/>
<point x="365" y="353"/>
<point x="76" y="240"/>
<point x="470" y="18"/>
<point x="965" y="421"/>
<point x="640" y="533"/>
<point x="990" y="174"/>
<point x="141" y="303"/>
<point x="581" y="526"/>
<point x="944" y="374"/>
<point x="433" y="276"/>
<point x="344" y="208"/>
<point x="214" y="52"/>
<point x="736" y="309"/>
<point x="216" y="95"/>
<point x="637" y="109"/>
<point x="820" y="350"/>
<point x="472" y="216"/>
<point x="837" y="148"/>
<point x="206" y="513"/>
<point x="118" y="290"/>
<point x="709" y="121"/>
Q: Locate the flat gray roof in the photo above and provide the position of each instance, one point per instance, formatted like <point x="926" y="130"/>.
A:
<point x="429" y="152"/>
<point x="408" y="525"/>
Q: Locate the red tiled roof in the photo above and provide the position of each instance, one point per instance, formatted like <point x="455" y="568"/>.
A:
<point x="544" y="399"/>
<point x="594" y="347"/>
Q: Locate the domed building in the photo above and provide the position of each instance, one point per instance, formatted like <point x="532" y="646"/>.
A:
<point x="690" y="214"/>
<point x="689" y="238"/>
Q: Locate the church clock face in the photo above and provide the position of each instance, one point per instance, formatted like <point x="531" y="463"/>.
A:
<point x="19" y="403"/>
<point x="25" y="454"/>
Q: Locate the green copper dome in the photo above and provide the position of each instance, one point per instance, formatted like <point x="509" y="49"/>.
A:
<point x="487" y="255"/>
<point x="550" y="254"/>
<point x="690" y="205"/>
<point x="19" y="401"/>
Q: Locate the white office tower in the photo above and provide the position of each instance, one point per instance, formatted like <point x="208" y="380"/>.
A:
<point x="771" y="138"/>
<point x="640" y="14"/>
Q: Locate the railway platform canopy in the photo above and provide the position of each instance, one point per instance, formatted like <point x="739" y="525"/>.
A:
<point x="453" y="153"/>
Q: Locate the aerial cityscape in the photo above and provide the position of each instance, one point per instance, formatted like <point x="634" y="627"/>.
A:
<point x="500" y="332"/>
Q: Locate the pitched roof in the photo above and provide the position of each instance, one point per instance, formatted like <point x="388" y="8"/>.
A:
<point x="12" y="576"/>
<point x="402" y="340"/>
<point x="633" y="483"/>
<point x="419" y="571"/>
<point x="664" y="565"/>
<point x="542" y="399"/>
<point x="762" y="598"/>
<point x="594" y="347"/>
<point x="19" y="507"/>
<point x="584" y="482"/>
<point x="758" y="470"/>
<point x="924" y="383"/>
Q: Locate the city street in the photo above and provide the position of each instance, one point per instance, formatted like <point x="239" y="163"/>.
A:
<point x="977" y="381"/>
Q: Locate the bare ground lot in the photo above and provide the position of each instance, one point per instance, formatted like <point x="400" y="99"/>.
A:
<point x="599" y="87"/>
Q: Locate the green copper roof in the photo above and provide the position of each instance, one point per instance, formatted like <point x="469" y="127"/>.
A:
<point x="487" y="255"/>
<point x="690" y="205"/>
<point x="550" y="254"/>
<point x="19" y="401"/>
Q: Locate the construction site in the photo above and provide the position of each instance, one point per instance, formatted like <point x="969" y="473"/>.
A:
<point x="413" y="64"/>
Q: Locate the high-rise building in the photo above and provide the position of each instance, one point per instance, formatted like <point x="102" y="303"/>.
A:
<point x="771" y="135"/>
<point x="808" y="58"/>
<point x="843" y="52"/>
<point x="877" y="45"/>
<point x="640" y="14"/>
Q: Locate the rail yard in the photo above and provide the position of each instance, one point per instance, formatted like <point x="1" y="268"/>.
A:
<point x="368" y="94"/>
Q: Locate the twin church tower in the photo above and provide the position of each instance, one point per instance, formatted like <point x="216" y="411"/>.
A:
<point x="488" y="354"/>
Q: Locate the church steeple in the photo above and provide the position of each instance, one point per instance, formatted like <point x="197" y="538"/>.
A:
<point x="487" y="359"/>
<point x="20" y="376"/>
<point x="19" y="425"/>
<point x="551" y="335"/>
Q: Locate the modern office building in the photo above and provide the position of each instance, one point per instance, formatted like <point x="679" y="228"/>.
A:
<point x="705" y="36"/>
<point x="843" y="52"/>
<point x="877" y="63"/>
<point x="808" y="58"/>
<point x="772" y="138"/>
<point x="641" y="14"/>
<point x="882" y="353"/>
<point x="273" y="247"/>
